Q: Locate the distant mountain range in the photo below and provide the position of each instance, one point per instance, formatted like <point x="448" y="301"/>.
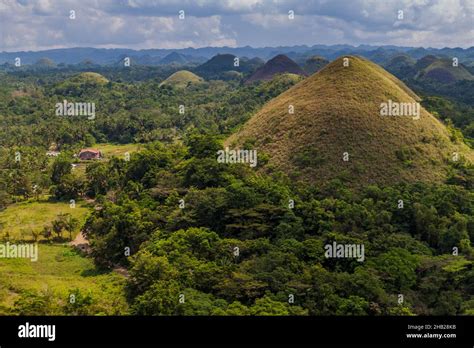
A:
<point x="103" y="56"/>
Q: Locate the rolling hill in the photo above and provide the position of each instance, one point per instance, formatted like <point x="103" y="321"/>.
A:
<point x="423" y="62"/>
<point x="45" y="63"/>
<point x="278" y="65"/>
<point x="174" y="58"/>
<point x="441" y="70"/>
<point x="222" y="66"/>
<point x="182" y="79"/>
<point x="314" y="64"/>
<point x="401" y="66"/>
<point x="337" y="116"/>
<point x="88" y="78"/>
<point x="77" y="84"/>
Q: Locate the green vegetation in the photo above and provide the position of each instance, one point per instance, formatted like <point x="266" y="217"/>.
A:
<point x="193" y="236"/>
<point x="442" y="70"/>
<point x="118" y="150"/>
<point x="182" y="79"/>
<point x="452" y="112"/>
<point x="45" y="287"/>
<point x="21" y="221"/>
<point x="280" y="250"/>
<point x="314" y="64"/>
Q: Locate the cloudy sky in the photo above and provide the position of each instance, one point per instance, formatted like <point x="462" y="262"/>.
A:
<point x="46" y="24"/>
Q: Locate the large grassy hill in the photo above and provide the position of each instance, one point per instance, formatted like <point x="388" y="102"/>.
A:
<point x="280" y="64"/>
<point x="337" y="111"/>
<point x="443" y="71"/>
<point x="182" y="79"/>
<point x="88" y="77"/>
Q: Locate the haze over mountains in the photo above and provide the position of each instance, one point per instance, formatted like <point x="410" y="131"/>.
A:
<point x="103" y="56"/>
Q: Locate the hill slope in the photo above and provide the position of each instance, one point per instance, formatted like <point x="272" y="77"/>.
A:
<point x="181" y="79"/>
<point x="77" y="85"/>
<point x="278" y="65"/>
<point x="422" y="63"/>
<point x="88" y="77"/>
<point x="442" y="71"/>
<point x="45" y="63"/>
<point x="314" y="64"/>
<point x="173" y="58"/>
<point x="337" y="110"/>
<point x="401" y="66"/>
<point x="220" y="64"/>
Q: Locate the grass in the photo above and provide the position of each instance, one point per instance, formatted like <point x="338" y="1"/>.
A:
<point x="337" y="110"/>
<point x="60" y="270"/>
<point x="118" y="150"/>
<point x="181" y="79"/>
<point x="458" y="73"/>
<point x="89" y="77"/>
<point x="19" y="219"/>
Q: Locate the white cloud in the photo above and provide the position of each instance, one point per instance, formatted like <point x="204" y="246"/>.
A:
<point x="41" y="24"/>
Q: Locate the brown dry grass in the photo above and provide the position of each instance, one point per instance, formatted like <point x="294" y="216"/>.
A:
<point x="182" y="79"/>
<point x="337" y="110"/>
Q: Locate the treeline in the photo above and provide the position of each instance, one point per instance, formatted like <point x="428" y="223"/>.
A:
<point x="203" y="238"/>
<point x="125" y="112"/>
<point x="131" y="109"/>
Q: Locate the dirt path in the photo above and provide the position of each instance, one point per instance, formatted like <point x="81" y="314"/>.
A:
<point x="82" y="244"/>
<point x="122" y="270"/>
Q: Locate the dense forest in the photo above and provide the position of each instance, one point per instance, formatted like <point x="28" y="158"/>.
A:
<point x="198" y="237"/>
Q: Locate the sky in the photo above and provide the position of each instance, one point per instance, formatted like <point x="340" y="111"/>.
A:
<point x="141" y="24"/>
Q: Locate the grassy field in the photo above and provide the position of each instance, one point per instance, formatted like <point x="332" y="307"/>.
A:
<point x="60" y="271"/>
<point x="117" y="150"/>
<point x="45" y="286"/>
<point x="19" y="219"/>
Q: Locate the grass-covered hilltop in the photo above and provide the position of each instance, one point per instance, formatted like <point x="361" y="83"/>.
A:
<point x="134" y="211"/>
<point x="280" y="64"/>
<point x="181" y="79"/>
<point x="306" y="130"/>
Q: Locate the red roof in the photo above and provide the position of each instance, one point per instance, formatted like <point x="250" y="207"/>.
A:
<point x="89" y="150"/>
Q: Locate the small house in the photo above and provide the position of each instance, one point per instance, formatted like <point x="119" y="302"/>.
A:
<point x="88" y="154"/>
